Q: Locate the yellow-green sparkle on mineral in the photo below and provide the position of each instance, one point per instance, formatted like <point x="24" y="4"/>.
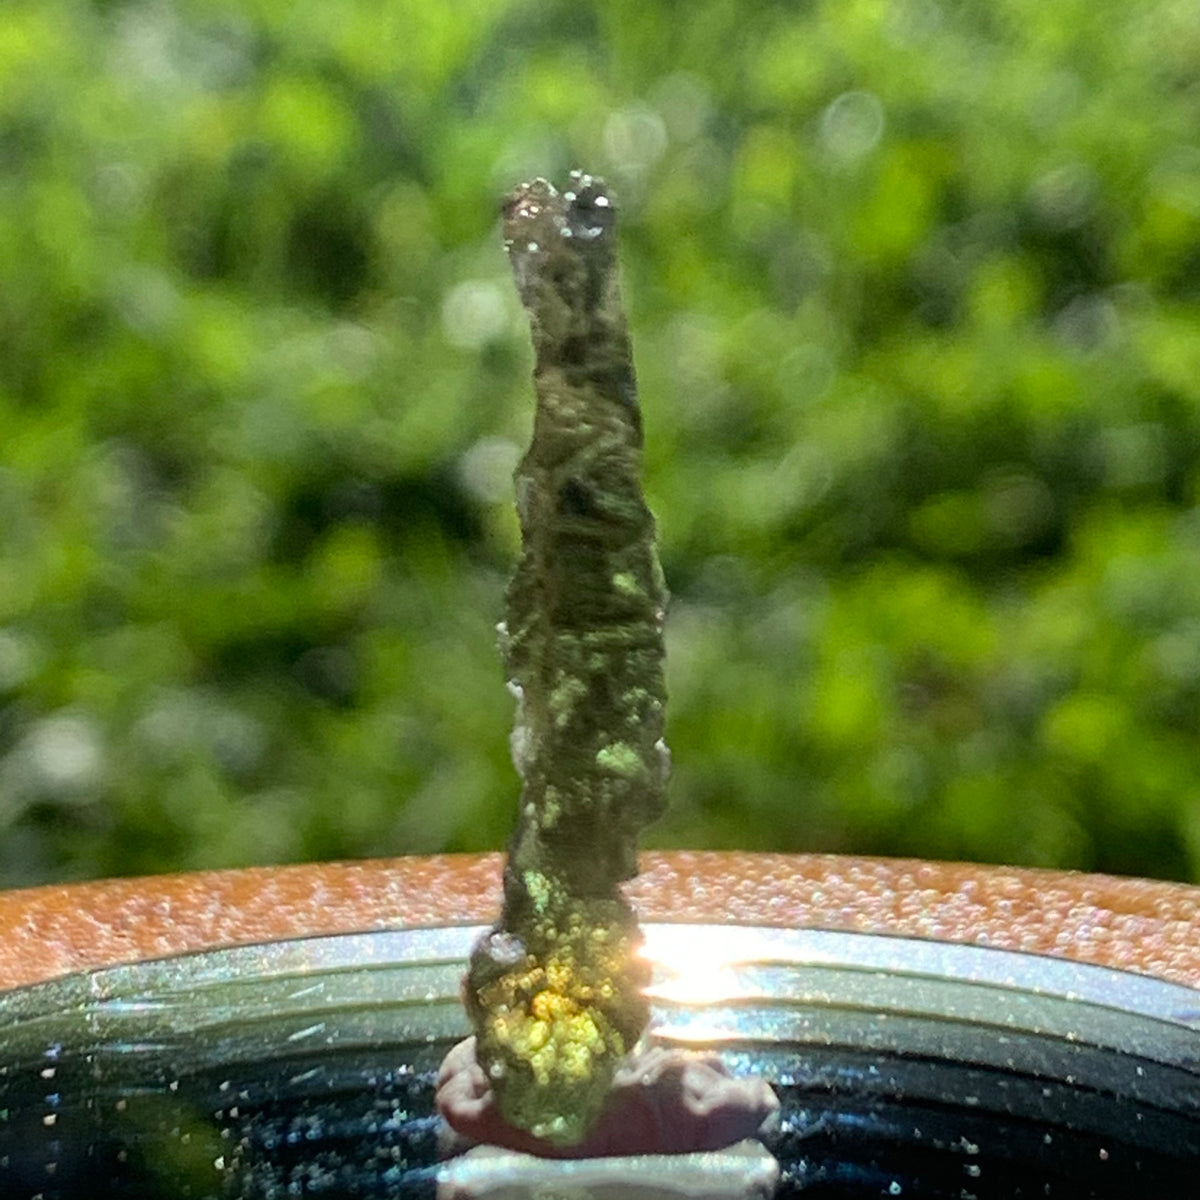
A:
<point x="554" y="990"/>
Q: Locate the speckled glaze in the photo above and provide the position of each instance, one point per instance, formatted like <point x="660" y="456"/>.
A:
<point x="1132" y="924"/>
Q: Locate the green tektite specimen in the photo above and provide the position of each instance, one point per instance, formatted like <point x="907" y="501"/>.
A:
<point x="555" y="988"/>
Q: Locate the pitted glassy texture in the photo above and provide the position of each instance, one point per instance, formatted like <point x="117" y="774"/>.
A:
<point x="555" y="989"/>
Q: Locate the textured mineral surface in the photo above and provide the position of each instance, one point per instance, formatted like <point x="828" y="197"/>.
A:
<point x="554" y="990"/>
<point x="660" y="1102"/>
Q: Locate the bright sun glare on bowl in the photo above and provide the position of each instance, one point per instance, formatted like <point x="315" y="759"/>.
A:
<point x="694" y="965"/>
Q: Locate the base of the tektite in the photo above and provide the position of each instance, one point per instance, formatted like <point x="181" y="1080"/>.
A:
<point x="745" y="1171"/>
<point x="662" y="1102"/>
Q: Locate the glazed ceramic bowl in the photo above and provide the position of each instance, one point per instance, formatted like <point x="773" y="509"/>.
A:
<point x="931" y="1030"/>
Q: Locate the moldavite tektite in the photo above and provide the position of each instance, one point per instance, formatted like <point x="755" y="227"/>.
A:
<point x="555" y="988"/>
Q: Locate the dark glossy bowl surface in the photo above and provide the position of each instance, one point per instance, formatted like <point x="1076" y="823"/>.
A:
<point x="305" y="1068"/>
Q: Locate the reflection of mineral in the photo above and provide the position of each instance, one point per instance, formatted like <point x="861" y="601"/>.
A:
<point x="554" y="990"/>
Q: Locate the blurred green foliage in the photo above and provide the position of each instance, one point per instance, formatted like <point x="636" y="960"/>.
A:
<point x="915" y="288"/>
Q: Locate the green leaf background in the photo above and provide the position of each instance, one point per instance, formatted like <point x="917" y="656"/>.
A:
<point x="915" y="290"/>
